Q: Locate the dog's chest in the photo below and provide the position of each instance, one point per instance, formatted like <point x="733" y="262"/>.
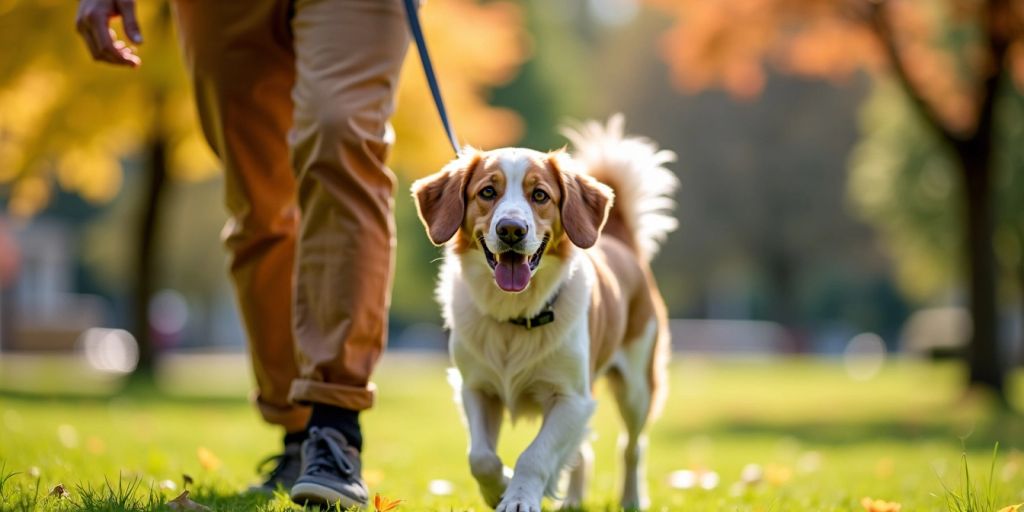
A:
<point x="523" y="368"/>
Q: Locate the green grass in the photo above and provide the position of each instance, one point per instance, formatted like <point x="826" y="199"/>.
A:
<point x="824" y="442"/>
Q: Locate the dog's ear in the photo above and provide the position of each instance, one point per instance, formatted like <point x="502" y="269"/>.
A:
<point x="441" y="197"/>
<point x="585" y="201"/>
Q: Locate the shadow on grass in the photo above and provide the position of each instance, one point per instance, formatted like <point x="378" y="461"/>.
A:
<point x="133" y="392"/>
<point x="978" y="434"/>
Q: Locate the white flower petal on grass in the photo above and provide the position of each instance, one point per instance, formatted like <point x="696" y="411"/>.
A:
<point x="682" y="479"/>
<point x="167" y="485"/>
<point x="440" y="487"/>
<point x="709" y="480"/>
<point x="751" y="474"/>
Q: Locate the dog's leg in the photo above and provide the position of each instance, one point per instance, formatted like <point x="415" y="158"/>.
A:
<point x="579" y="477"/>
<point x="539" y="467"/>
<point x="631" y="386"/>
<point x="483" y="418"/>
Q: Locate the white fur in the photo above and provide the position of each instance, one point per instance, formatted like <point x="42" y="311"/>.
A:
<point x="515" y="202"/>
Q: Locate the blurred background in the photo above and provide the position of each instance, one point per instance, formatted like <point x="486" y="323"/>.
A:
<point x="852" y="178"/>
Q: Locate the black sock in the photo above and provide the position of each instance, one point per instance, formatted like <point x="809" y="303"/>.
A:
<point x="296" y="437"/>
<point x="343" y="420"/>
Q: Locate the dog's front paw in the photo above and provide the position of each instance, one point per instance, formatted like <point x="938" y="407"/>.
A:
<point x="517" y="500"/>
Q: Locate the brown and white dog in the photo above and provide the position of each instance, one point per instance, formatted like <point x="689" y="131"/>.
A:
<point x="541" y="302"/>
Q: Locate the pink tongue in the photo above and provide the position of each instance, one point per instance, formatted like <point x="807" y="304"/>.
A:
<point x="512" y="272"/>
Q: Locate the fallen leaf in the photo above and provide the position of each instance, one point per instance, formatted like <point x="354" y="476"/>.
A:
<point x="871" y="505"/>
<point x="95" y="445"/>
<point x="382" y="504"/>
<point x="207" y="459"/>
<point x="1012" y="508"/>
<point x="777" y="475"/>
<point x="59" y="492"/>
<point x="182" y="502"/>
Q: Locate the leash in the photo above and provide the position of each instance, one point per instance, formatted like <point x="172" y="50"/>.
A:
<point x="412" y="14"/>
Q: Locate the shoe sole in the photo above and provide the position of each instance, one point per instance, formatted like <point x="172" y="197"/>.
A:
<point x="307" y="492"/>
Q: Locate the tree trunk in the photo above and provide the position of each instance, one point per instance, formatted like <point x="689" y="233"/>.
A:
<point x="1020" y="288"/>
<point x="147" y="250"/>
<point x="986" y="367"/>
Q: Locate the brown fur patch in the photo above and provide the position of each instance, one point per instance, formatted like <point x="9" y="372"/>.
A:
<point x="585" y="203"/>
<point x="441" y="198"/>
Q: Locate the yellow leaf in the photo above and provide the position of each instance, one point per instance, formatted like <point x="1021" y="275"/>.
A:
<point x="1012" y="508"/>
<point x="871" y="505"/>
<point x="207" y="459"/>
<point x="382" y="504"/>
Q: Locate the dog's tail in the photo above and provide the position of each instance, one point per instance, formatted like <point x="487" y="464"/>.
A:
<point x="634" y="168"/>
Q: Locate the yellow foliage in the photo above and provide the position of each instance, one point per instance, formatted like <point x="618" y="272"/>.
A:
<point x="485" y="50"/>
<point x="69" y="121"/>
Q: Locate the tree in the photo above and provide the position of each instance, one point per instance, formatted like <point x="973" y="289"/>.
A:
<point x="68" y="122"/>
<point x="950" y="58"/>
<point x="903" y="182"/>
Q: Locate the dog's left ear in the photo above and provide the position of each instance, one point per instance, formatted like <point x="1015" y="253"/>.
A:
<point x="441" y="197"/>
<point x="585" y="201"/>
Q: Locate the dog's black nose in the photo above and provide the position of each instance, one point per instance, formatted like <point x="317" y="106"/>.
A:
<point x="512" y="231"/>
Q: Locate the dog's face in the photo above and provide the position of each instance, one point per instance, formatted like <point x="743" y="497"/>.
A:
<point x="514" y="206"/>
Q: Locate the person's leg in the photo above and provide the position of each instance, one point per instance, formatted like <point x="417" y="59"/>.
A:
<point x="242" y="64"/>
<point x="349" y="54"/>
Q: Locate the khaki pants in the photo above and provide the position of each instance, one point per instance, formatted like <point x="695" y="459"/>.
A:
<point x="294" y="97"/>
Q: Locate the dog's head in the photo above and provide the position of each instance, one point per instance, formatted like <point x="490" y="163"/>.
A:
<point x="514" y="206"/>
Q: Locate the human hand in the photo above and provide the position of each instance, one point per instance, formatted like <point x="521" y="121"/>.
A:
<point x="93" y="23"/>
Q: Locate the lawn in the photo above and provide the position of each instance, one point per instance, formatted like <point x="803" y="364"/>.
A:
<point x="806" y="435"/>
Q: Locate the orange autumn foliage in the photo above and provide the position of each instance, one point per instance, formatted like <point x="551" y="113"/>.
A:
<point x="732" y="44"/>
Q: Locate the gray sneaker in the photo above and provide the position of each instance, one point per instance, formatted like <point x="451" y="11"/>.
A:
<point x="286" y="468"/>
<point x="331" y="471"/>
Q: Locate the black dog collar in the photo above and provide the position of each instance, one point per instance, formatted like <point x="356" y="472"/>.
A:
<point x="546" y="316"/>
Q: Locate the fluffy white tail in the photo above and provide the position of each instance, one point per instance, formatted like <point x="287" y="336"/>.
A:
<point x="634" y="168"/>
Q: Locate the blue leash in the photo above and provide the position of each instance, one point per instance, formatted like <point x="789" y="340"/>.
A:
<point x="412" y="13"/>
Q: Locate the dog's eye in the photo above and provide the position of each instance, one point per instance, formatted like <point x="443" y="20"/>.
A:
<point x="488" y="192"/>
<point x="539" y="196"/>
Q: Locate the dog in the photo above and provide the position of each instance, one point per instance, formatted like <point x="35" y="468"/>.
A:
<point x="545" y="287"/>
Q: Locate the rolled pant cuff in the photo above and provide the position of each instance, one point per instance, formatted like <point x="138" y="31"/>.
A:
<point x="292" y="417"/>
<point x="350" y="397"/>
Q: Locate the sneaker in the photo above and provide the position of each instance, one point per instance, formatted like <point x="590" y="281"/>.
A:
<point x="331" y="471"/>
<point x="286" y="468"/>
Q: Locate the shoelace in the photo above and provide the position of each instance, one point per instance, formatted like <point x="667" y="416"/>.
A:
<point x="333" y="460"/>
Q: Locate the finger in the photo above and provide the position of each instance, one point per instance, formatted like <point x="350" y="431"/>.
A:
<point x="85" y="31"/>
<point x="131" y="22"/>
<point x="104" y="38"/>
<point x="100" y="34"/>
<point x="127" y="52"/>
